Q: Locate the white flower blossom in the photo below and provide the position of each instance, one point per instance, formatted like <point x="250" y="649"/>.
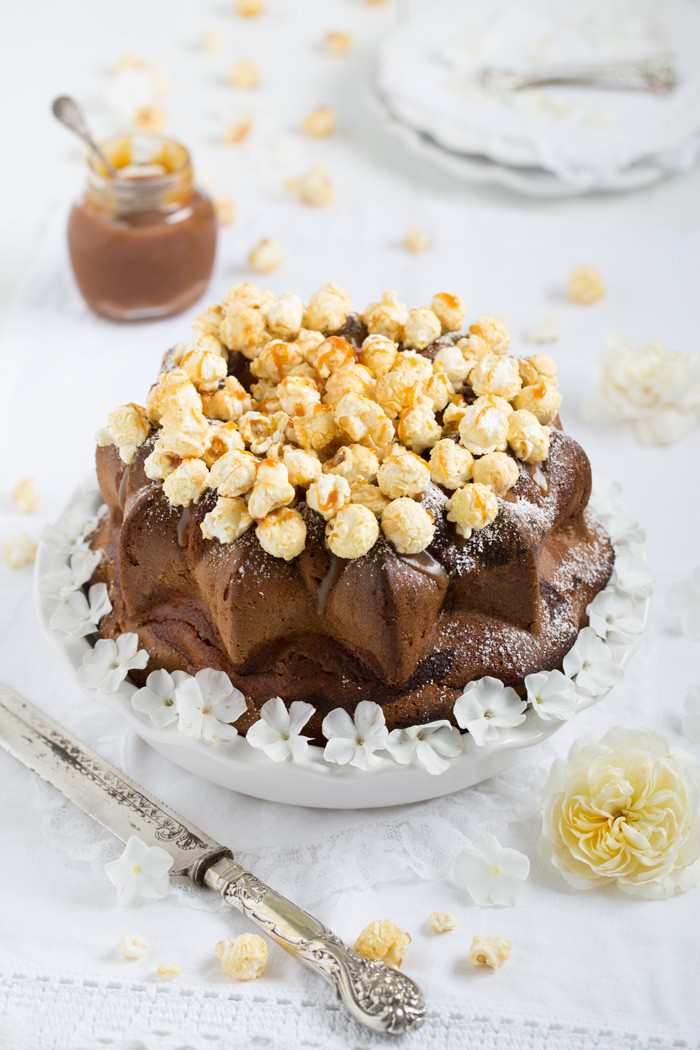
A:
<point x="552" y="695"/>
<point x="486" y="707"/>
<point x="624" y="808"/>
<point x="70" y="533"/>
<point x="590" y="664"/>
<point x="430" y="745"/>
<point x="106" y="666"/>
<point x="490" y="873"/>
<point x="606" y="495"/>
<point x="355" y="740"/>
<point x="630" y="575"/>
<point x="691" y="718"/>
<point x="58" y="583"/>
<point x="157" y="698"/>
<point x="613" y="617"/>
<point x="206" y="704"/>
<point x="684" y="598"/>
<point x="278" y="730"/>
<point x="623" y="532"/>
<point x="79" y="615"/>
<point x="140" y="874"/>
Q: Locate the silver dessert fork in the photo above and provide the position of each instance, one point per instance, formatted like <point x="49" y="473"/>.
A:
<point x="655" y="75"/>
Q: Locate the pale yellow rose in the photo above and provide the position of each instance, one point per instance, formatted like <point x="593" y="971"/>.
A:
<point x="623" y="808"/>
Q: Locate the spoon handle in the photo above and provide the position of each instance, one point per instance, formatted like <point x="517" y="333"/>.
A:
<point x="69" y="113"/>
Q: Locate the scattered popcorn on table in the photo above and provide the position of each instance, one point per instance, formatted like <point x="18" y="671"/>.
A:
<point x="490" y="951"/>
<point x="384" y="941"/>
<point x="167" y="970"/>
<point x="132" y="946"/>
<point x="338" y="43"/>
<point x="545" y="331"/>
<point x="313" y="187"/>
<point x="225" y="209"/>
<point x="150" y="118"/>
<point x="237" y="132"/>
<point x="244" y="74"/>
<point x="266" y="256"/>
<point x="25" y="497"/>
<point x="250" y="8"/>
<point x="319" y="123"/>
<point x="243" y="959"/>
<point x="211" y="41"/>
<point x="18" y="551"/>
<point x="416" y="240"/>
<point x="441" y="921"/>
<point x="585" y="285"/>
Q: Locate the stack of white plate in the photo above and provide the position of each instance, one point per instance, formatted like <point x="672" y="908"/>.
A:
<point x="552" y="141"/>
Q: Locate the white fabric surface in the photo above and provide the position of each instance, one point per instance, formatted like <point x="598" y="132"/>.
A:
<point x="587" y="969"/>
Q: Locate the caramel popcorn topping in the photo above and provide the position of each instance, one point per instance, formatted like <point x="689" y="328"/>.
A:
<point x="243" y="959"/>
<point x="490" y="951"/>
<point x="355" y="417"/>
<point x="585" y="285"/>
<point x="384" y="941"/>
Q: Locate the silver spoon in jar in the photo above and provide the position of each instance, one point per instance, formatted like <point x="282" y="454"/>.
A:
<point x="69" y="113"/>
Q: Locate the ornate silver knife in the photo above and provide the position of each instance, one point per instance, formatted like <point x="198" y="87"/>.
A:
<point x="377" y="995"/>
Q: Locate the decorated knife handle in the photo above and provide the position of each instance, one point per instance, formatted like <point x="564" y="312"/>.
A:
<point x="375" y="994"/>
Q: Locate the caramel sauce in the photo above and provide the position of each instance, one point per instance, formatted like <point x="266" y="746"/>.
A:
<point x="183" y="526"/>
<point x="328" y="582"/>
<point x="429" y="566"/>
<point x="123" y="486"/>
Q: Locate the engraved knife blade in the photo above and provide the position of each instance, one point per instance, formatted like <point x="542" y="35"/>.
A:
<point x="376" y="995"/>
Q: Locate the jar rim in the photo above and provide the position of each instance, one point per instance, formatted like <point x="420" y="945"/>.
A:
<point x="141" y="148"/>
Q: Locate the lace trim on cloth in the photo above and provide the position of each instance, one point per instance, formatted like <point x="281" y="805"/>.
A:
<point x="79" y="1013"/>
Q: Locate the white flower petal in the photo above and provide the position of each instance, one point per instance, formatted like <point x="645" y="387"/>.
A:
<point x="140" y="873"/>
<point x="490" y="873"/>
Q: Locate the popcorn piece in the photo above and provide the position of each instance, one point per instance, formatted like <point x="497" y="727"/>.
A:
<point x="316" y="429"/>
<point x="407" y="526"/>
<point x="225" y="438"/>
<point x="483" y="428"/>
<point x="186" y="433"/>
<point x="354" y="463"/>
<point x="129" y="428"/>
<point x="282" y="533"/>
<point x="472" y="507"/>
<point x="103" y="437"/>
<point x="352" y="532"/>
<point x="209" y="321"/>
<point x="250" y="8"/>
<point x="585" y="285"/>
<point x="403" y="474"/>
<point x="243" y="959"/>
<point x="131" y="947"/>
<point x="544" y="366"/>
<point x="379" y="354"/>
<point x="333" y="353"/>
<point x="384" y="941"/>
<point x="449" y="310"/>
<point x="451" y="361"/>
<point x="473" y="348"/>
<point x="438" y="390"/>
<point x="545" y="331"/>
<point x="236" y="132"/>
<point x="453" y="414"/>
<point x="528" y="439"/>
<point x="247" y="294"/>
<point x="211" y="41"/>
<point x="285" y="316"/>
<point x="496" y="375"/>
<point x="25" y="497"/>
<point x="260" y="431"/>
<point x="387" y="317"/>
<point x="160" y="463"/>
<point x="498" y="470"/>
<point x="363" y="420"/>
<point x="302" y="467"/>
<point x="327" y="494"/>
<point x="227" y="521"/>
<point x="313" y="187"/>
<point x="416" y="240"/>
<point x="493" y="332"/>
<point x="266" y="256"/>
<point x="403" y="387"/>
<point x="225" y="209"/>
<point x="450" y="464"/>
<point x="297" y="394"/>
<point x="308" y="343"/>
<point x="350" y="379"/>
<point x="421" y="328"/>
<point x="229" y="402"/>
<point x="173" y="390"/>
<point x="490" y="951"/>
<point x="441" y="921"/>
<point x="187" y="483"/>
<point x="328" y="308"/>
<point x="542" y="399"/>
<point x="18" y="551"/>
<point x="338" y="43"/>
<point x="418" y="428"/>
<point x="370" y="496"/>
<point x="150" y="118"/>
<point x="320" y="123"/>
<point x="234" y="474"/>
<point x="243" y="328"/>
<point x="204" y="369"/>
<point x="244" y="74"/>
<point x="165" y="970"/>
<point x="271" y="490"/>
<point x="276" y="360"/>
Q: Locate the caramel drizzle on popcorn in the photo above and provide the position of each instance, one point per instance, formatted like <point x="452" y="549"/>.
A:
<point x="358" y="433"/>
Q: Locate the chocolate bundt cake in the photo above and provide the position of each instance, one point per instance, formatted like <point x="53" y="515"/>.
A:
<point x="333" y="508"/>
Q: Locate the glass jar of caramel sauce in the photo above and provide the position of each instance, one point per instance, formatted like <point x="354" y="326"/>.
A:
<point x="142" y="243"/>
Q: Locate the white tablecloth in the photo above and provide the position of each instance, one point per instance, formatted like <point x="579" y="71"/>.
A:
<point x="587" y="969"/>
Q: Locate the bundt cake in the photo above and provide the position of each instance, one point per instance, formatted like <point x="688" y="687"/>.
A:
<point x="335" y="507"/>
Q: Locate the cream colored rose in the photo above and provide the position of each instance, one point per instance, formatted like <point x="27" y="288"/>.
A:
<point x="624" y="808"/>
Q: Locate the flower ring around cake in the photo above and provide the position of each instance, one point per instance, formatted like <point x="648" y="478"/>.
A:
<point x="187" y="718"/>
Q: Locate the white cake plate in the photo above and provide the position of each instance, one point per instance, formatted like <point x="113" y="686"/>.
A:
<point x="311" y="781"/>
